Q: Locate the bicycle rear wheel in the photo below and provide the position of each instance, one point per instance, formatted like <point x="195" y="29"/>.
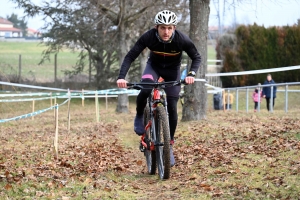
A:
<point x="150" y="155"/>
<point x="162" y="146"/>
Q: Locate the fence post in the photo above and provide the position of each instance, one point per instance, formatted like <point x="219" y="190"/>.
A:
<point x="69" y="116"/>
<point x="247" y="99"/>
<point x="286" y="97"/>
<point x="55" y="70"/>
<point x="54" y="104"/>
<point x="271" y="100"/>
<point x="106" y="100"/>
<point x="50" y="99"/>
<point x="82" y="98"/>
<point x="20" y="67"/>
<point x="33" y="102"/>
<point x="96" y="106"/>
<point x="237" y="100"/>
<point x="259" y="98"/>
<point x="227" y="99"/>
<point x="56" y="132"/>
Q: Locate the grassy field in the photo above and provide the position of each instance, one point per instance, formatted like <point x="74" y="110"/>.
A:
<point x="31" y="55"/>
<point x="229" y="155"/>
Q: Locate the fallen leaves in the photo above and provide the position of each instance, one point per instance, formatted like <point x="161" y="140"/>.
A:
<point x="220" y="160"/>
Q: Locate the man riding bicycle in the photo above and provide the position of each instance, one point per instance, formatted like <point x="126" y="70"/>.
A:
<point x="166" y="45"/>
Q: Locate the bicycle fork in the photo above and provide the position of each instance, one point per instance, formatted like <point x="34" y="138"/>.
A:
<point x="149" y="145"/>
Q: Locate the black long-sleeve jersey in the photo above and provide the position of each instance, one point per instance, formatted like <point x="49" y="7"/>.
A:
<point x="162" y="55"/>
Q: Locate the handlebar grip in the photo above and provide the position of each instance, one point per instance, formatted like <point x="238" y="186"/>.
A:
<point x="183" y="82"/>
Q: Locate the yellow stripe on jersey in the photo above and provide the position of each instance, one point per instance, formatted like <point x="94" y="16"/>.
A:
<point x="166" y="54"/>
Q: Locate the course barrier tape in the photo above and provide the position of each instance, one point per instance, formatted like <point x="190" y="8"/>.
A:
<point x="24" y="94"/>
<point x="21" y="100"/>
<point x="261" y="71"/>
<point x="33" y="113"/>
<point x="31" y="86"/>
<point x="38" y="94"/>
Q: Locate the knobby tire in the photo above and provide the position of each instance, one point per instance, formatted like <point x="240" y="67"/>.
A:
<point x="150" y="155"/>
<point x="162" y="132"/>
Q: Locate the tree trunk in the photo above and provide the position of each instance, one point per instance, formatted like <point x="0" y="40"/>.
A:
<point x="122" y="98"/>
<point x="143" y="60"/>
<point x="194" y="107"/>
<point x="122" y="106"/>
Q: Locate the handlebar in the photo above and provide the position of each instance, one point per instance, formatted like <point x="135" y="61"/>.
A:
<point x="139" y="86"/>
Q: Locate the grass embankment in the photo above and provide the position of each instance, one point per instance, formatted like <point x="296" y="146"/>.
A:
<point x="229" y="155"/>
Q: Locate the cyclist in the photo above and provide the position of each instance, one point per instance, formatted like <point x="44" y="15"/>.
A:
<point x="166" y="45"/>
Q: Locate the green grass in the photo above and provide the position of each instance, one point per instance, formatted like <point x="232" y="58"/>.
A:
<point x="31" y="55"/>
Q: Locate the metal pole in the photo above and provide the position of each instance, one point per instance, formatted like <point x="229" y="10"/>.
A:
<point x="286" y="98"/>
<point x="247" y="99"/>
<point x="271" y="100"/>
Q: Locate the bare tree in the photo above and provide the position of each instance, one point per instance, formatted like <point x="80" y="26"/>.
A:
<point x="196" y="95"/>
<point x="77" y="24"/>
<point x="126" y="16"/>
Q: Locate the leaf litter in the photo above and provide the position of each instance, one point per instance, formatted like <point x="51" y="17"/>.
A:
<point x="247" y="156"/>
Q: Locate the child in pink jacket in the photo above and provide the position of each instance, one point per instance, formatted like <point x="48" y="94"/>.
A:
<point x="257" y="96"/>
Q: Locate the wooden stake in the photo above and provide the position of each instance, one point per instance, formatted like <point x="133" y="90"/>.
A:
<point x="54" y="104"/>
<point x="96" y="106"/>
<point x="50" y="99"/>
<point x="33" y="102"/>
<point x="82" y="101"/>
<point x="69" y="116"/>
<point x="106" y="101"/>
<point x="55" y="143"/>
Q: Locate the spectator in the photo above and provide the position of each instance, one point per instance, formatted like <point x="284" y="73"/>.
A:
<point x="228" y="100"/>
<point x="257" y="97"/>
<point x="267" y="91"/>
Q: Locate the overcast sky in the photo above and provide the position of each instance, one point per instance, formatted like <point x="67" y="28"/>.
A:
<point x="263" y="12"/>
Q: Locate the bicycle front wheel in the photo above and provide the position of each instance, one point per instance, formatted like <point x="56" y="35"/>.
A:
<point x="162" y="145"/>
<point x="149" y="154"/>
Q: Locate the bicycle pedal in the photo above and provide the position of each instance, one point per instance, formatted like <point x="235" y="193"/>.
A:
<point x="142" y="148"/>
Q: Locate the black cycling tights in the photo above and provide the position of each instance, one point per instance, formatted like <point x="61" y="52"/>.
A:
<point x="141" y="101"/>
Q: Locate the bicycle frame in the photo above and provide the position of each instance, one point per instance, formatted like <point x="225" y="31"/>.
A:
<point x="157" y="97"/>
<point x="155" y="141"/>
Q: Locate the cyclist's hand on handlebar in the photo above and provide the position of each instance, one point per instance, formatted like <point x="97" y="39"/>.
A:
<point x="189" y="80"/>
<point x="122" y="83"/>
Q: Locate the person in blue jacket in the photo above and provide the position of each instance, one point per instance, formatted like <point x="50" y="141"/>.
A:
<point x="267" y="91"/>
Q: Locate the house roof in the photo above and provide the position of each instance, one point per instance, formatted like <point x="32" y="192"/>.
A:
<point x="31" y="30"/>
<point x="11" y="29"/>
<point x="4" y="21"/>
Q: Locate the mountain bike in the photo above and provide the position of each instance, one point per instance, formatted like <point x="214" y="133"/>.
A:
<point x="155" y="143"/>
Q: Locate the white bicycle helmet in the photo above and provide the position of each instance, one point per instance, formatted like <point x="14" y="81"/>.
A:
<point x="166" y="17"/>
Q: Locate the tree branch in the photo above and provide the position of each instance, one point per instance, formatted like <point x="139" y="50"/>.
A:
<point x="113" y="16"/>
<point x="136" y="15"/>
